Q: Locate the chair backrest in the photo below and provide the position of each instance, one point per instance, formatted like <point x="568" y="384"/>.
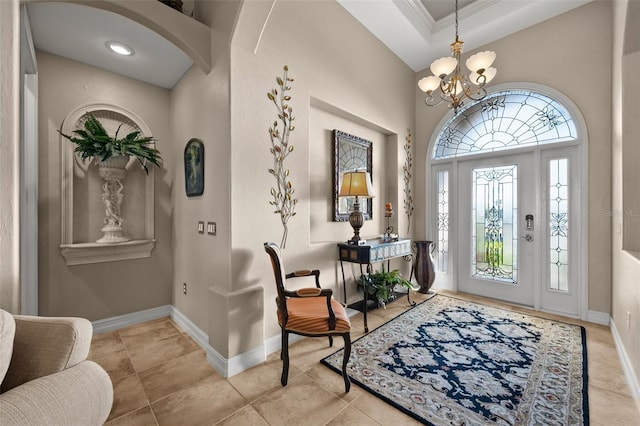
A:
<point x="273" y="251"/>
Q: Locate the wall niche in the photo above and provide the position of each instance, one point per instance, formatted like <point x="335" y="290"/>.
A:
<point x="83" y="210"/>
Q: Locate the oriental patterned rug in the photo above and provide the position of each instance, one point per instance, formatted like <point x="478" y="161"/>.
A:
<point x="453" y="362"/>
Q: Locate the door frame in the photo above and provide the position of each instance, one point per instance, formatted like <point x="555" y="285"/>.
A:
<point x="28" y="169"/>
<point x="449" y="280"/>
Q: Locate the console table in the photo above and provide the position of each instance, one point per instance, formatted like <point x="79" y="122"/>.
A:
<point x="376" y="250"/>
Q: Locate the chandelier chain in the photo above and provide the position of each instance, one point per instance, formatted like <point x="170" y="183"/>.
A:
<point x="456" y="20"/>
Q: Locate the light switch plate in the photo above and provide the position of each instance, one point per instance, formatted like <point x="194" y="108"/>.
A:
<point x="200" y="227"/>
<point x="211" y="228"/>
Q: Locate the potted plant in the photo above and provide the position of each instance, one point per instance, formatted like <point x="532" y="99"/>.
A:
<point x="112" y="154"/>
<point x="94" y="142"/>
<point x="380" y="285"/>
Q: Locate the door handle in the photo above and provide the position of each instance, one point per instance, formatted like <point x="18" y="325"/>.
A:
<point x="528" y="237"/>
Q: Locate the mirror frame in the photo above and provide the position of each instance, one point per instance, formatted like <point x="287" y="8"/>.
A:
<point x="339" y="168"/>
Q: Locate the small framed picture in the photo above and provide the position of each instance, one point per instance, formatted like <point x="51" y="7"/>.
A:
<point x="194" y="168"/>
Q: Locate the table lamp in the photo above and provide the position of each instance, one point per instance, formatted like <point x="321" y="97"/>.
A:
<point x="356" y="184"/>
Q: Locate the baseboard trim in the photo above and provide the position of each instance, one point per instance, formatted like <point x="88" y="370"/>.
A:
<point x="226" y="367"/>
<point x="115" y="323"/>
<point x="627" y="367"/>
<point x="596" y="317"/>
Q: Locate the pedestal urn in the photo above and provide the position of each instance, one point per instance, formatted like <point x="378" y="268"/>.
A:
<point x="113" y="171"/>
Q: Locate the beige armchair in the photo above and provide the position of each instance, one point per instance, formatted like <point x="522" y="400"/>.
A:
<point x="45" y="376"/>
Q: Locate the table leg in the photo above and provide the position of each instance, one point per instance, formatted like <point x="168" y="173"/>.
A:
<point x="344" y="284"/>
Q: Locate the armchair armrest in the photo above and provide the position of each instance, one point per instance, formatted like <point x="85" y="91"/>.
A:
<point x="305" y="273"/>
<point x="81" y="395"/>
<point x="44" y="346"/>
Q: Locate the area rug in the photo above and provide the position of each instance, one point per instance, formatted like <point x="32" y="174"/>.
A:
<point x="453" y="362"/>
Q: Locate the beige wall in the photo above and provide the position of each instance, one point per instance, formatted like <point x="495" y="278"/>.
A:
<point x="100" y="290"/>
<point x="233" y="266"/>
<point x="200" y="109"/>
<point x="309" y="37"/>
<point x="9" y="151"/>
<point x="559" y="53"/>
<point x="625" y="134"/>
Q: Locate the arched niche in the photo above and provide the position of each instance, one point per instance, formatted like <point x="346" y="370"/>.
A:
<point x="82" y="207"/>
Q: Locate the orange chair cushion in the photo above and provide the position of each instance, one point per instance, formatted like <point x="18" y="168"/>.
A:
<point x="309" y="315"/>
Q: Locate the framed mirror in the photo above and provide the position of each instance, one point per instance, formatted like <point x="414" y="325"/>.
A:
<point x="350" y="153"/>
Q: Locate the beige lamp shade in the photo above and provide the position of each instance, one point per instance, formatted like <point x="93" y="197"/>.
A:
<point x="481" y="60"/>
<point x="443" y="66"/>
<point x="489" y="73"/>
<point x="429" y="84"/>
<point x="356" y="184"/>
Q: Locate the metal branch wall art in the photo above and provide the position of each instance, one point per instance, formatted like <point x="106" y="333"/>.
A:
<point x="282" y="193"/>
<point x="407" y="169"/>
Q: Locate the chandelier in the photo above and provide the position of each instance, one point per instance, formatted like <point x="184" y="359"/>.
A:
<point x="454" y="87"/>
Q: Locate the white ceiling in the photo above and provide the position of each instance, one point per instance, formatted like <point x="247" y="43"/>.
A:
<point x="417" y="31"/>
<point x="80" y="32"/>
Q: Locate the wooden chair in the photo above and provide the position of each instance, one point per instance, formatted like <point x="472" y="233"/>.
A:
<point x="311" y="312"/>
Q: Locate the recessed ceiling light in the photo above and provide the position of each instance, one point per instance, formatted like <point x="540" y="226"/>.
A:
<point x="120" y="48"/>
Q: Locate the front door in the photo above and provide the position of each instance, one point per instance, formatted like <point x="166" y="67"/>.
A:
<point x="496" y="250"/>
<point x="518" y="219"/>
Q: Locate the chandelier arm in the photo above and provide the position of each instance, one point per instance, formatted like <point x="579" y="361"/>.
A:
<point x="431" y="101"/>
<point x="481" y="93"/>
<point x="481" y="80"/>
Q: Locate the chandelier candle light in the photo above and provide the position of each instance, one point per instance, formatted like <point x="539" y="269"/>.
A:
<point x="454" y="86"/>
<point x="356" y="184"/>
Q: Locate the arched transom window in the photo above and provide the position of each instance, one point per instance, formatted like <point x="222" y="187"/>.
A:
<point x="505" y="120"/>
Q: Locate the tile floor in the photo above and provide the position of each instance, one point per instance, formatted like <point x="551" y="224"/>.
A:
<point x="161" y="377"/>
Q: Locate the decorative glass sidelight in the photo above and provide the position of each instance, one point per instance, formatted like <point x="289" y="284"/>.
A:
<point x="494" y="227"/>
<point x="559" y="224"/>
<point x="442" y="260"/>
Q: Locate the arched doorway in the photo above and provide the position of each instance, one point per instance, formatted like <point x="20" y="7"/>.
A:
<point x="508" y="187"/>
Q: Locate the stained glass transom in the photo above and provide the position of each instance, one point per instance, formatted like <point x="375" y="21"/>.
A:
<point x="505" y="120"/>
<point x="495" y="226"/>
<point x="442" y="260"/>
<point x="559" y="224"/>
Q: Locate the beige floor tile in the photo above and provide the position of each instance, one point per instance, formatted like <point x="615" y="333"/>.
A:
<point x="353" y="417"/>
<point x="246" y="416"/>
<point x="333" y="382"/>
<point x="611" y="408"/>
<point x="308" y="352"/>
<point x="149" y="333"/>
<point x="301" y="402"/>
<point x="176" y="374"/>
<point x="108" y="350"/>
<point x="141" y="417"/>
<point x="170" y="363"/>
<point x="117" y="363"/>
<point x="155" y="352"/>
<point x="260" y="379"/>
<point x="599" y="333"/>
<point x="382" y="412"/>
<point x="128" y="395"/>
<point x="146" y="326"/>
<point x="205" y="403"/>
<point x="104" y="344"/>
